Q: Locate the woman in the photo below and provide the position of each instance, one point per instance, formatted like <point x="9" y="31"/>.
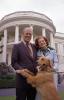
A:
<point x="43" y="49"/>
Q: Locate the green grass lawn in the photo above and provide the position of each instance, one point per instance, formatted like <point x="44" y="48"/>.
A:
<point x="62" y="95"/>
<point x="13" y="97"/>
<point x="7" y="97"/>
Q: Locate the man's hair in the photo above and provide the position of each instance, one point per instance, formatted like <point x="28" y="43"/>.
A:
<point x="26" y="28"/>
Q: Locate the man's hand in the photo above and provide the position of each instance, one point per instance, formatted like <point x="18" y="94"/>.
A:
<point x="24" y="72"/>
<point x="20" y="71"/>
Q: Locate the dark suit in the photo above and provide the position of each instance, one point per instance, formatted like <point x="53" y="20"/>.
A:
<point x="22" y="59"/>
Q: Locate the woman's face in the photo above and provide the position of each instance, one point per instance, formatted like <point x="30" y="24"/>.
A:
<point x="42" y="43"/>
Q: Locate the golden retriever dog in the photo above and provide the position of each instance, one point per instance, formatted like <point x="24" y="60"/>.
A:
<point x="43" y="80"/>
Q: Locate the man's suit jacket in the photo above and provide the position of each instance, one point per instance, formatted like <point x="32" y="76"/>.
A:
<point x="22" y="59"/>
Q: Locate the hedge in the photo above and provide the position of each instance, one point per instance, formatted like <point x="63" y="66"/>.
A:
<point x="8" y="81"/>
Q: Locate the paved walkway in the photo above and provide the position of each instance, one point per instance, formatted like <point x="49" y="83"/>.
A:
<point x="61" y="86"/>
<point x="12" y="91"/>
<point x="8" y="92"/>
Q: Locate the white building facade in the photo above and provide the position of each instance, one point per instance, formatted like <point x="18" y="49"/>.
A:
<point x="11" y="28"/>
<point x="59" y="46"/>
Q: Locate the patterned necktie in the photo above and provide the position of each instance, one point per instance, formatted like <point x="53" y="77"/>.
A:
<point x="28" y="48"/>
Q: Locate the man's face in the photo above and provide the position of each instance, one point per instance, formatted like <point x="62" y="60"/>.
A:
<point x="27" y="34"/>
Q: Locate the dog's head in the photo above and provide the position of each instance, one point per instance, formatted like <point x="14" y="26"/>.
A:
<point x="44" y="64"/>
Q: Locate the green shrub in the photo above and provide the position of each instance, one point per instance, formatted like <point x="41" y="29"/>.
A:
<point x="7" y="76"/>
<point x="6" y="69"/>
<point x="8" y="81"/>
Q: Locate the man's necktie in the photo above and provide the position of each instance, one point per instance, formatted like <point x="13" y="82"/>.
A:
<point x="28" y="48"/>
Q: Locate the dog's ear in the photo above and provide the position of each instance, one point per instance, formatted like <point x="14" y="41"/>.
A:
<point x="49" y="63"/>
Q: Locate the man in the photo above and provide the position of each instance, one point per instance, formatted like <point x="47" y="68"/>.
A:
<point x="24" y="56"/>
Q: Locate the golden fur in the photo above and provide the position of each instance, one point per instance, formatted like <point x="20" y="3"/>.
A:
<point x="43" y="80"/>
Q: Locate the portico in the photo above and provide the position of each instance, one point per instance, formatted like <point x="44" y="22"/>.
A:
<point x="11" y="28"/>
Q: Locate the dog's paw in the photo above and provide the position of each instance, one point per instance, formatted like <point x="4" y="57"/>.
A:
<point x="30" y="80"/>
<point x="22" y="72"/>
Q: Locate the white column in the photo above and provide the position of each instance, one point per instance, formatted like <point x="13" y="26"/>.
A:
<point x="59" y="49"/>
<point x="9" y="57"/>
<point x="0" y="51"/>
<point x="0" y="46"/>
<point x="60" y="54"/>
<point x="52" y="40"/>
<point x="16" y="34"/>
<point x="4" y="46"/>
<point x="43" y="32"/>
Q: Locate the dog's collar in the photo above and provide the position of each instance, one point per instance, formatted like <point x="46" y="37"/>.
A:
<point x="43" y="67"/>
<point x="45" y="50"/>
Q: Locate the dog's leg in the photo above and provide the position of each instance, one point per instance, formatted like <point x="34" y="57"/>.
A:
<point x="24" y="72"/>
<point x="28" y="75"/>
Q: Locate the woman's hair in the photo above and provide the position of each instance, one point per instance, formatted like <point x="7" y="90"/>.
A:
<point x="36" y="41"/>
